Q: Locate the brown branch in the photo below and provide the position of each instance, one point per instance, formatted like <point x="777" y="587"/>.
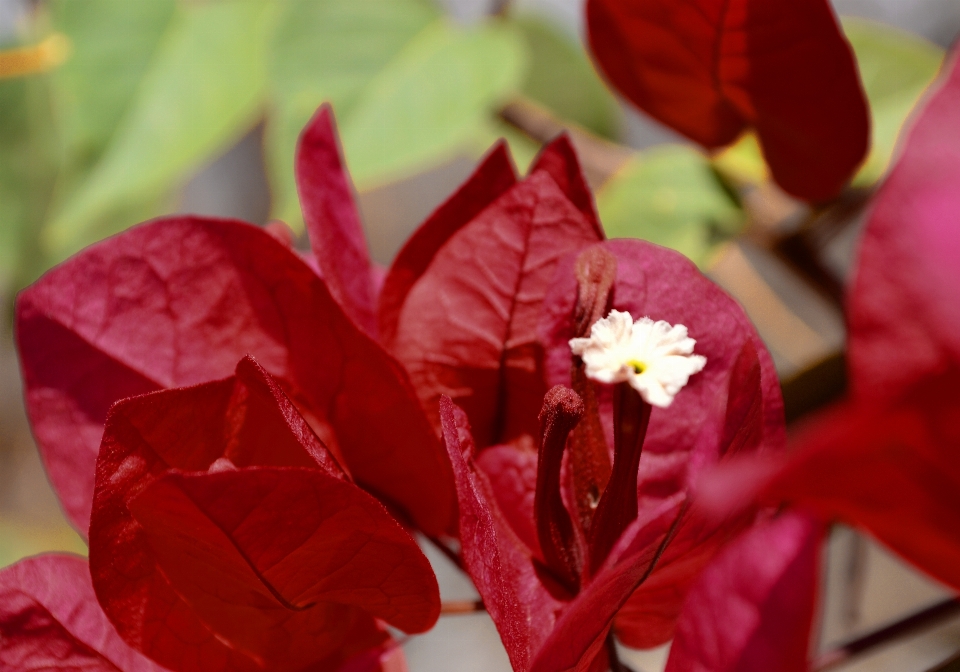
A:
<point x="460" y="607"/>
<point x="451" y="554"/>
<point x="950" y="665"/>
<point x="921" y="620"/>
<point x="599" y="158"/>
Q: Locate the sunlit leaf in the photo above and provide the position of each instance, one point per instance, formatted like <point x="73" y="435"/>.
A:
<point x="670" y="196"/>
<point x="21" y="538"/>
<point x="408" y="88"/>
<point x="106" y="36"/>
<point x="896" y="67"/>
<point x="202" y="90"/>
<point x="328" y="51"/>
<point x="430" y="99"/>
<point x="27" y="171"/>
<point x="562" y="78"/>
<point x="743" y="161"/>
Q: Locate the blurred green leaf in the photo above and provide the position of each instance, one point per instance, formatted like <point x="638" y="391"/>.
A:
<point x="328" y="50"/>
<point x="28" y="168"/>
<point x="118" y="37"/>
<point x="21" y="539"/>
<point x="202" y="89"/>
<point x="896" y="67"/>
<point x="563" y="78"/>
<point x="408" y="88"/>
<point x="523" y="148"/>
<point x="432" y="98"/>
<point x="670" y="196"/>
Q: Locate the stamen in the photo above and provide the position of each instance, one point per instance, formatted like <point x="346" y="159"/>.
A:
<point x="618" y="505"/>
<point x="562" y="409"/>
<point x="596" y="271"/>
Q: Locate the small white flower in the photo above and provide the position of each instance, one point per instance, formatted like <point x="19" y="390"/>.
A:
<point x="656" y="358"/>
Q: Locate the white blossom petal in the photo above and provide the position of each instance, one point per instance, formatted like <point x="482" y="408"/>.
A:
<point x="656" y="358"/>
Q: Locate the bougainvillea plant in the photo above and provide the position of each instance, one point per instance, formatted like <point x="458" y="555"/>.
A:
<point x="248" y="434"/>
<point x="170" y="302"/>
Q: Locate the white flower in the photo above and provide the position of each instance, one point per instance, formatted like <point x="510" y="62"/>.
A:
<point x="656" y="358"/>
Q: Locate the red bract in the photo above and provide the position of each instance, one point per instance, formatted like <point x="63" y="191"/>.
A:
<point x="714" y="68"/>
<point x="888" y="458"/>
<point x="180" y="300"/>
<point x="50" y="620"/>
<point x="752" y="608"/>
<point x="462" y="301"/>
<point x="553" y="566"/>
<point x="225" y="536"/>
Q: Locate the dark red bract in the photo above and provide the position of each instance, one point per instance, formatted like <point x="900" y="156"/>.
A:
<point x="711" y="69"/>
<point x="225" y="536"/>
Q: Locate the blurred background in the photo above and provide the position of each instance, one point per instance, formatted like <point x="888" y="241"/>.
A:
<point x="113" y="112"/>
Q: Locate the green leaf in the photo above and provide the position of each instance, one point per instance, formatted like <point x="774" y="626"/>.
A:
<point x="431" y="99"/>
<point x="563" y="78"/>
<point x="202" y="90"/>
<point x="523" y="148"/>
<point x="896" y="67"/>
<point x="28" y="168"/>
<point x="670" y="196"/>
<point x="22" y="538"/>
<point x="328" y="50"/>
<point x="118" y="37"/>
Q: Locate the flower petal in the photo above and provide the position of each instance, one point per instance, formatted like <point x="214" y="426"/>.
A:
<point x="903" y="311"/>
<point x="50" y="619"/>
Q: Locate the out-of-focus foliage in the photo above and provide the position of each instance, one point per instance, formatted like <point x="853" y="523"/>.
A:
<point x="896" y="67"/>
<point x="18" y="540"/>
<point x="156" y="88"/>
<point x="27" y="162"/>
<point x="670" y="196"/>
<point x="563" y="78"/>
<point x="153" y="90"/>
<point x="328" y="51"/>
<point x="409" y="88"/>
<point x="204" y="82"/>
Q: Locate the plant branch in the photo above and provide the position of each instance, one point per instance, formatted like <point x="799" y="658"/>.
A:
<point x="599" y="158"/>
<point x="460" y="607"/>
<point x="451" y="554"/>
<point x="950" y="665"/>
<point x="921" y="620"/>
